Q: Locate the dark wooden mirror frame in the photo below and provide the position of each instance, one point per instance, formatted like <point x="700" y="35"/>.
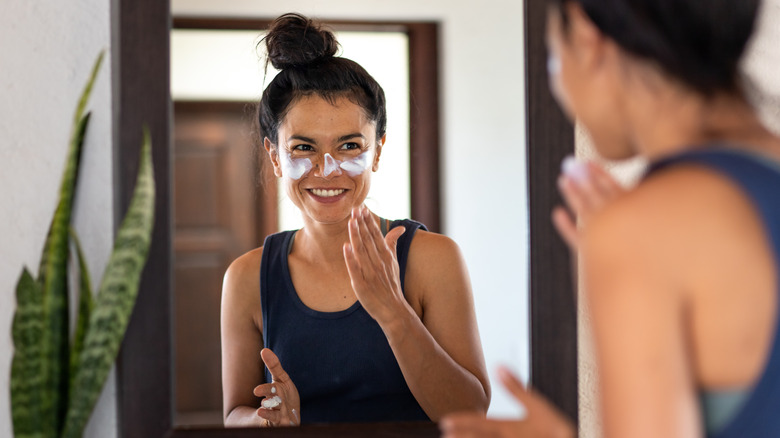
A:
<point x="141" y="95"/>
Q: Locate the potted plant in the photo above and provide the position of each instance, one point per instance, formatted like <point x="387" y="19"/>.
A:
<point x="56" y="378"/>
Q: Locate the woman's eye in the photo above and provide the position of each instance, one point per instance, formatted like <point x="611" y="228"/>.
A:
<point x="350" y="146"/>
<point x="303" y="148"/>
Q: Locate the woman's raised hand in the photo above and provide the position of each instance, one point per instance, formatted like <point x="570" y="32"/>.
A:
<point x="373" y="267"/>
<point x="542" y="419"/>
<point x="585" y="187"/>
<point x="281" y="405"/>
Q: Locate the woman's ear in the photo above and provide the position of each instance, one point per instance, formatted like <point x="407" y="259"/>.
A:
<point x="273" y="154"/>
<point x="587" y="40"/>
<point x="378" y="152"/>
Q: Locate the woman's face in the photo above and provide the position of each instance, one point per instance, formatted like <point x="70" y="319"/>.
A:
<point x="586" y="79"/>
<point x="324" y="155"/>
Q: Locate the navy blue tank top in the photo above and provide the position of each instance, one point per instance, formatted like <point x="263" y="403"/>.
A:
<point x="759" y="179"/>
<point x="341" y="361"/>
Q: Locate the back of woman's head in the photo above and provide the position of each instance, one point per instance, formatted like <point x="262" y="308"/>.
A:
<point x="699" y="42"/>
<point x="304" y="52"/>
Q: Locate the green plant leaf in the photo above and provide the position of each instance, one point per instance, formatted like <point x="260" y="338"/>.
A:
<point x="26" y="366"/>
<point x="88" y="89"/>
<point x="115" y="299"/>
<point x="52" y="276"/>
<point x="86" y="303"/>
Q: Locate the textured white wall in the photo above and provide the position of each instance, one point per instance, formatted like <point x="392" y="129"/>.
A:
<point x="46" y="52"/>
<point x="761" y="64"/>
<point x="483" y="153"/>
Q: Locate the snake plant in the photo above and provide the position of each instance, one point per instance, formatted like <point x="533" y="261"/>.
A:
<point x="55" y="378"/>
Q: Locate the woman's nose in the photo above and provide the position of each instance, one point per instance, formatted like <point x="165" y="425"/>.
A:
<point x="329" y="166"/>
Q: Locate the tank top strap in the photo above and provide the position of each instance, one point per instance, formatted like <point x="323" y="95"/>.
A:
<point x="757" y="176"/>
<point x="404" y="243"/>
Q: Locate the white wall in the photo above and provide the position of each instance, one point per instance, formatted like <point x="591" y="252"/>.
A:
<point x="483" y="153"/>
<point x="762" y="64"/>
<point x="46" y="53"/>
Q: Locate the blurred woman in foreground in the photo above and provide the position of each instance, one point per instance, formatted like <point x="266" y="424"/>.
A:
<point x="681" y="272"/>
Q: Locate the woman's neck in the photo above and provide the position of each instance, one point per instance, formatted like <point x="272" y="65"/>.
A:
<point x="323" y="243"/>
<point x="670" y="121"/>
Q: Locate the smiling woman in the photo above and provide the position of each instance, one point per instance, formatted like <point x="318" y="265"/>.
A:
<point x="223" y="205"/>
<point x="362" y="318"/>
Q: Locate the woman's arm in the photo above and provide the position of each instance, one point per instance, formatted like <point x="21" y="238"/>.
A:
<point x="242" y="341"/>
<point x="440" y="355"/>
<point x="247" y="400"/>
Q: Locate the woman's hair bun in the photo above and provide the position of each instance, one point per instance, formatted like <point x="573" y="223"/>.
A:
<point x="294" y="40"/>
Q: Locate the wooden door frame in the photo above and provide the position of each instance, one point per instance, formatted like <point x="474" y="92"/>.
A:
<point x="141" y="94"/>
<point x="553" y="300"/>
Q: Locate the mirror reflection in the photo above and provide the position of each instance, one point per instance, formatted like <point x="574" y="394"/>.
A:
<point x="221" y="213"/>
<point x="226" y="201"/>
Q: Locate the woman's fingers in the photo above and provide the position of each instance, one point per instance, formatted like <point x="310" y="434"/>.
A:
<point x="577" y="194"/>
<point x="391" y="240"/>
<point x="274" y="366"/>
<point x="586" y="186"/>
<point x="356" y="238"/>
<point x="527" y="397"/>
<point x="514" y="385"/>
<point x="372" y="239"/>
<point x="369" y="253"/>
<point x="566" y="226"/>
<point x="468" y="425"/>
<point x="266" y="390"/>
<point x="275" y="417"/>
<point x="603" y="180"/>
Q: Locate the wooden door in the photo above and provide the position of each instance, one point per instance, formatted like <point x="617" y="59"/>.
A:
<point x="220" y="212"/>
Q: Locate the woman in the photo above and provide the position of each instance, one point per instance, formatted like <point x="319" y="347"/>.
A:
<point x="681" y="273"/>
<point x="362" y="319"/>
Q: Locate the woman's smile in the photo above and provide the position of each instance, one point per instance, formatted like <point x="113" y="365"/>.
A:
<point x="327" y="195"/>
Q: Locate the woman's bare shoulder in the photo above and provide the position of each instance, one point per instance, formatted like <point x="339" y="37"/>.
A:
<point x="242" y="277"/>
<point x="436" y="266"/>
<point x="682" y="215"/>
<point x="434" y="248"/>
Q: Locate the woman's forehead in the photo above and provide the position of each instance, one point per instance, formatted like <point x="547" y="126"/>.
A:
<point x="315" y="117"/>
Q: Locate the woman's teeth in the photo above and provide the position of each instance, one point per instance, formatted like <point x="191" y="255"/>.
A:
<point x="327" y="193"/>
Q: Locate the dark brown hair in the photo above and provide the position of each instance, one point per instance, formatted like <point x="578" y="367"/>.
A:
<point x="304" y="52"/>
<point x="699" y="42"/>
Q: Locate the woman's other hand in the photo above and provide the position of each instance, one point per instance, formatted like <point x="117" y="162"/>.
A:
<point x="542" y="419"/>
<point x="281" y="405"/>
<point x="373" y="266"/>
<point x="585" y="187"/>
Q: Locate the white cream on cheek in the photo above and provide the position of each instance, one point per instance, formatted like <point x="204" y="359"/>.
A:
<point x="359" y="164"/>
<point x="294" y="168"/>
<point x="297" y="168"/>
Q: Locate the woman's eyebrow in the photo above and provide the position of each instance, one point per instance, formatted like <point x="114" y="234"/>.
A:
<point x="301" y="138"/>
<point x="350" y="136"/>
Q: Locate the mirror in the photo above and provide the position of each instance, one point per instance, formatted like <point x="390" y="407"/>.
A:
<point x="487" y="92"/>
<point x="222" y="206"/>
